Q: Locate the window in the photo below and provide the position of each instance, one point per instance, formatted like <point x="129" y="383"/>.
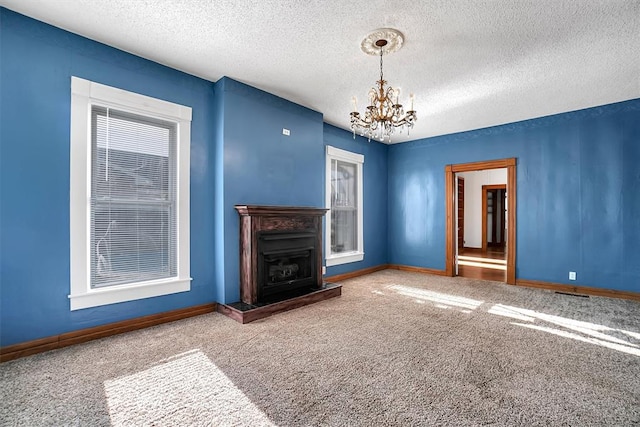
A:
<point x="344" y="199"/>
<point x="129" y="204"/>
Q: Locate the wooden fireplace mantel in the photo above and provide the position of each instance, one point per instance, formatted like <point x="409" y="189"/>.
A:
<point x="255" y="219"/>
<point x="260" y="210"/>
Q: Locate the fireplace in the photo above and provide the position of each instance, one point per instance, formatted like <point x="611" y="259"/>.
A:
<point x="286" y="262"/>
<point x="280" y="261"/>
<point x="280" y="252"/>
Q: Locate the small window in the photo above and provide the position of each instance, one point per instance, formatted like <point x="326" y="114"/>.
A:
<point x="129" y="219"/>
<point x="344" y="199"/>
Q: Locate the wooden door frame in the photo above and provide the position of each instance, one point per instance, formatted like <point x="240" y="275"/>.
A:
<point x="484" y="209"/>
<point x="451" y="192"/>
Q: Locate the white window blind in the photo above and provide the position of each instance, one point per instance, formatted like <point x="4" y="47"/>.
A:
<point x="133" y="198"/>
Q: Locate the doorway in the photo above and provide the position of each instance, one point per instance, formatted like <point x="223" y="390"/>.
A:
<point x="451" y="191"/>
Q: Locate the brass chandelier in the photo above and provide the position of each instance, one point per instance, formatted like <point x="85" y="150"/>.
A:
<point x="384" y="114"/>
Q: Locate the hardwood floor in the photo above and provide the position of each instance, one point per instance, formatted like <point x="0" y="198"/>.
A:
<point x="476" y="264"/>
<point x="492" y="253"/>
<point x="482" y="273"/>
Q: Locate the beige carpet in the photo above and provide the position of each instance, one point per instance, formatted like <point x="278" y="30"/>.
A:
<point x="396" y="349"/>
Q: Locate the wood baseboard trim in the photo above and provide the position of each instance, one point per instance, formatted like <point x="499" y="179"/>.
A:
<point x="584" y="290"/>
<point x="28" y="348"/>
<point x="357" y="273"/>
<point x="417" y="269"/>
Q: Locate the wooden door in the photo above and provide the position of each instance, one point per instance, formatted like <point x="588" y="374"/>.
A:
<point x="493" y="216"/>
<point x="460" y="212"/>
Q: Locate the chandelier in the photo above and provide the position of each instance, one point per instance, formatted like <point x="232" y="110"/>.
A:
<point x="384" y="113"/>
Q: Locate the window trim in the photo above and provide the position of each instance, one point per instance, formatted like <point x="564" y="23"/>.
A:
<point x="84" y="94"/>
<point x="331" y="259"/>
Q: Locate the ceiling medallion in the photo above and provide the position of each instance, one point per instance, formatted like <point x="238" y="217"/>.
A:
<point x="394" y="39"/>
<point x="384" y="113"/>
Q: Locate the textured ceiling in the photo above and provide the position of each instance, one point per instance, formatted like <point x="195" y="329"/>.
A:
<point x="471" y="64"/>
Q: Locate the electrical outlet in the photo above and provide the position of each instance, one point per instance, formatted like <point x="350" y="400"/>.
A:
<point x="572" y="275"/>
<point x="324" y="270"/>
<point x="286" y="132"/>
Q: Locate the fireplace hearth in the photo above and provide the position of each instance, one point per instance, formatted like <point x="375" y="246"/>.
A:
<point x="280" y="261"/>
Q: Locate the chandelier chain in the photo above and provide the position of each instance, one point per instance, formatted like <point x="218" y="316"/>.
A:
<point x="381" y="76"/>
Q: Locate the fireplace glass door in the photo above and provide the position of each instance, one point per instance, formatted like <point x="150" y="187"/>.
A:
<point x="286" y="262"/>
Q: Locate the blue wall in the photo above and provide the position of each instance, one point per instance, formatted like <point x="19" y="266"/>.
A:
<point x="37" y="62"/>
<point x="375" y="193"/>
<point x="578" y="181"/>
<point x="578" y="198"/>
<point x="232" y="162"/>
<point x="262" y="166"/>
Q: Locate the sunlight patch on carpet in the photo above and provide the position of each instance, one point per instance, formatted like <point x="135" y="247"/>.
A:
<point x="615" y="339"/>
<point x="513" y="312"/>
<point x="443" y="300"/>
<point x="591" y="332"/>
<point x="600" y="332"/>
<point x="614" y="346"/>
<point x="631" y="334"/>
<point x="187" y="389"/>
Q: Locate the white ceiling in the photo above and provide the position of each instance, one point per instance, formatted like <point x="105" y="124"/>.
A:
<point x="471" y="64"/>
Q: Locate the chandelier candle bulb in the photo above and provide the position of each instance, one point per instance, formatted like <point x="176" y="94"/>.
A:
<point x="412" y="98"/>
<point x="354" y="100"/>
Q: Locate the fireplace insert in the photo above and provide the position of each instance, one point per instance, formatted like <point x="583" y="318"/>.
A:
<point x="286" y="262"/>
